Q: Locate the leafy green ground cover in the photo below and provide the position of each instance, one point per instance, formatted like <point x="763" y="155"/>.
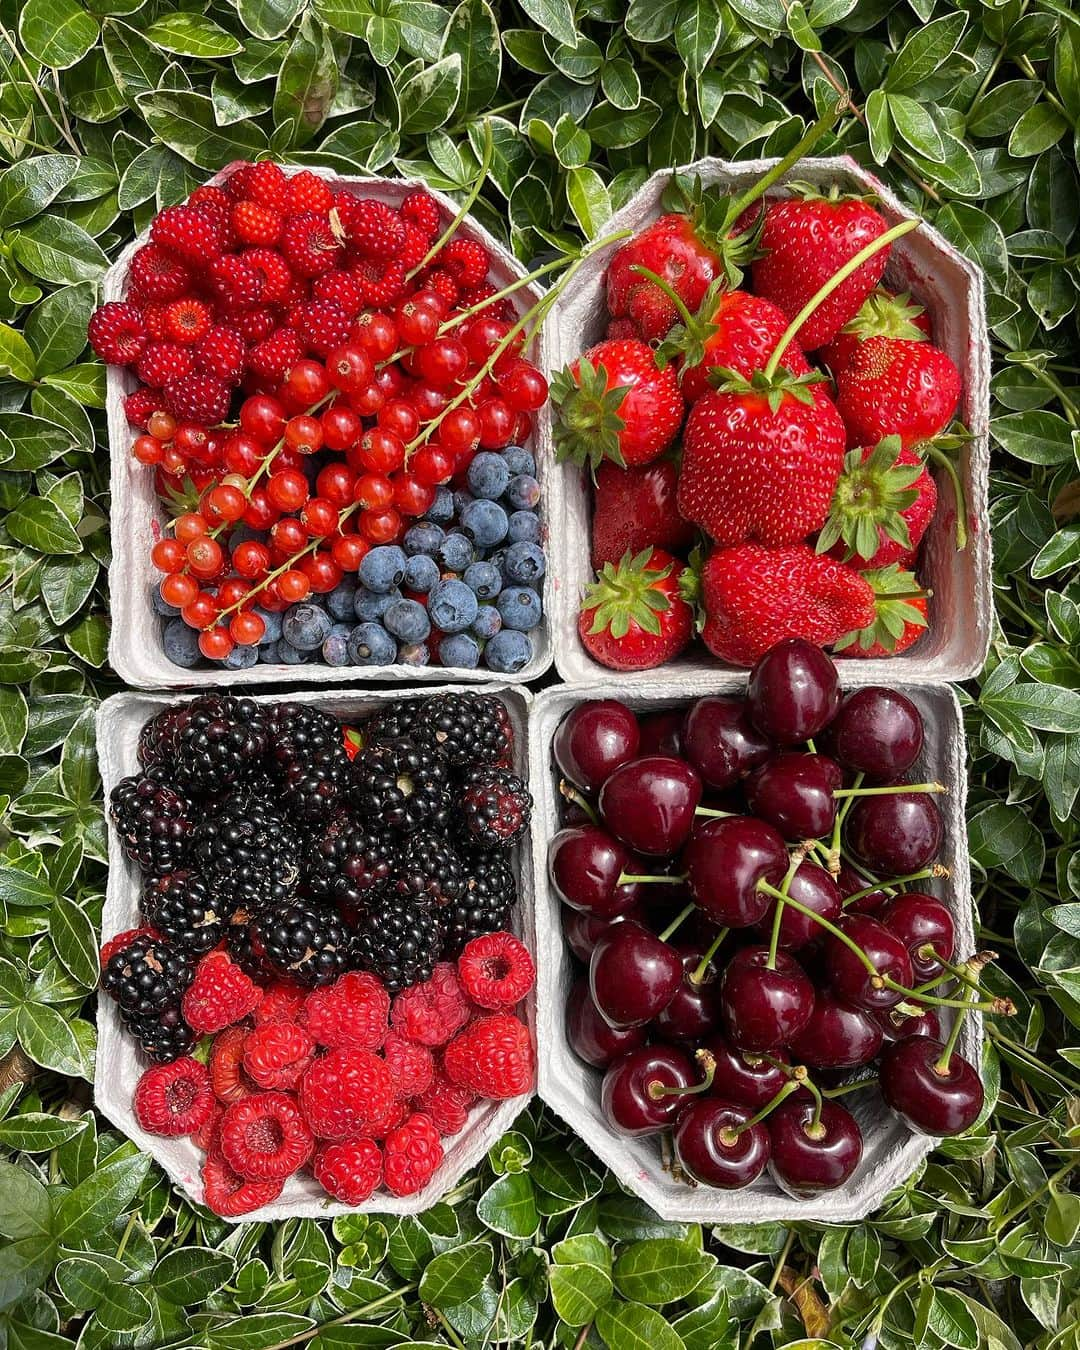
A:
<point x="110" y="109"/>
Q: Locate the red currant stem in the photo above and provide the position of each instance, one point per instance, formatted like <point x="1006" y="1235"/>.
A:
<point x="253" y="481"/>
<point x="625" y="878"/>
<point x="730" y="1133"/>
<point x="942" y="460"/>
<point x="712" y="813"/>
<point x="891" y="790"/>
<point x="802" y="147"/>
<point x="676" y="921"/>
<point x="466" y="205"/>
<point x="657" y="1090"/>
<point x="837" y="279"/>
<point x="571" y="794"/>
<point x="506" y="291"/>
<point x="797" y="858"/>
<point x="698" y="973"/>
<point x="661" y="284"/>
<point x="942" y="1064"/>
<point x="894" y="883"/>
<point x="845" y="1088"/>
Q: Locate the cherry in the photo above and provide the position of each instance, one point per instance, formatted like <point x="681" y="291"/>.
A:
<point x="632" y="1096"/>
<point x="763" y="1008"/>
<point x="593" y="740"/>
<point x="813" y="887"/>
<point x="809" y="1156"/>
<point x="877" y="732"/>
<point x="849" y="976"/>
<point x="694" y="1010"/>
<point x="649" y="802"/>
<point x="896" y="1024"/>
<point x="920" y="921"/>
<point x="591" y="1038"/>
<point x="793" y="692"/>
<point x="851" y="883"/>
<point x="837" y="1036"/>
<point x="716" y="1145"/>
<point x="794" y="792"/>
<point x="585" y="864"/>
<point x="932" y="1096"/>
<point x="721" y="742"/>
<point x="661" y="733"/>
<point x="583" y="931"/>
<point x="895" y="834"/>
<point x="632" y="974"/>
<point x="749" y="1080"/>
<point x="724" y="861"/>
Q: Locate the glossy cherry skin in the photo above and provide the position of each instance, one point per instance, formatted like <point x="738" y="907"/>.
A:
<point x="813" y="887"/>
<point x="850" y="882"/>
<point x="793" y="692"/>
<point x="877" y="732"/>
<point x="661" y="733"/>
<point x="895" y="834"/>
<point x="585" y="863"/>
<point x="649" y="802"/>
<point x="705" y="1154"/>
<point x="593" y="740"/>
<point x="747" y="1080"/>
<point x="847" y="975"/>
<point x="724" y="861"/>
<point x="897" y="1025"/>
<point x="837" y="1036"/>
<point x="583" y="931"/>
<point x="929" y="1101"/>
<point x="694" y="1011"/>
<point x="632" y="974"/>
<point x="590" y="1037"/>
<point x="763" y="1008"/>
<point x="624" y="1093"/>
<point x="804" y="1165"/>
<point x="794" y="792"/>
<point x="721" y="742"/>
<point x="921" y="921"/>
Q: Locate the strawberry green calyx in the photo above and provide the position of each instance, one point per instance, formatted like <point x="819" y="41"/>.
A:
<point x="900" y="612"/>
<point x="587" y="428"/>
<point x="625" y="592"/>
<point x="772" y="386"/>
<point x="885" y="315"/>
<point x="687" y="339"/>
<point x="871" y="495"/>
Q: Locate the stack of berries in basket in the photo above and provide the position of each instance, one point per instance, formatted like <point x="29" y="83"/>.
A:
<point x="761" y="422"/>
<point x="324" y="974"/>
<point x="317" y="371"/>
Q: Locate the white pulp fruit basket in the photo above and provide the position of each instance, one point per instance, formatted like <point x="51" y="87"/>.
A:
<point x="119" y="1062"/>
<point x="891" y="1152"/>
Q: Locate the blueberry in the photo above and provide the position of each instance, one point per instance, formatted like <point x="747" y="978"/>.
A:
<point x="335" y="648"/>
<point x="508" y="652"/>
<point x="455" y="553"/>
<point x="525" y="563"/>
<point x="484" y="578"/>
<point x="305" y="626"/>
<point x="487" y="476"/>
<point x="484" y="522"/>
<point x="181" y="644"/>
<point x="383" y="568"/>
<point x="407" y="620"/>
<point x="487" y="623"/>
<point x="271" y="625"/>
<point x="423" y="537"/>
<point x="442" y="508"/>
<point x="370" y="606"/>
<point x="461" y="501"/>
<point x="242" y="658"/>
<point x="452" y="606"/>
<point x="371" y="645"/>
<point x="523" y="527"/>
<point x="421" y="574"/>
<point x="498" y="559"/>
<point x="459" y="649"/>
<point x="523" y="492"/>
<point x="289" y="655"/>
<point x="270" y="652"/>
<point x="414" y="654"/>
<point x="518" y="460"/>
<point x="520" y="607"/>
<point x="341" y="601"/>
<point x="162" y="607"/>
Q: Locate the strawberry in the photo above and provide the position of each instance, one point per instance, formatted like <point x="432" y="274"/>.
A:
<point x="636" y="507"/>
<point x="885" y="499"/>
<point x="672" y="248"/>
<point x="883" y="314"/>
<point x="896" y="386"/>
<point x="634" y="616"/>
<point x="754" y="597"/>
<point x="899" y="616"/>
<point x="615" y="403"/>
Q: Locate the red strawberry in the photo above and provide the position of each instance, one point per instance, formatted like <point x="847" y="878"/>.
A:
<point x="885" y="499"/>
<point x="882" y="315"/>
<point x="634" y="616"/>
<point x="633" y="508"/>
<point x="754" y="597"/>
<point x="615" y="403"/>
<point x="672" y="249"/>
<point x="899" y="616"/>
<point x="895" y="386"/>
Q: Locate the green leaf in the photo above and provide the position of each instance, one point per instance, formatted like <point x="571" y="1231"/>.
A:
<point x="553" y="16"/>
<point x="96" y="1203"/>
<point x="916" y="126"/>
<point x="75" y="941"/>
<point x="306" y="85"/>
<point x="588" y="198"/>
<point x="16" y="356"/>
<point x="57" y="32"/>
<point x="57" y="251"/>
<point x="28" y="187"/>
<point x="456" y="1275"/>
<point x="1034" y="437"/>
<point x="25" y="1207"/>
<point x="1004" y="836"/>
<point x="195" y="35"/>
<point x="24" y="1267"/>
<point x="632" y="1326"/>
<point x="660" y="1270"/>
<point x="428" y="97"/>
<point x="697" y="32"/>
<point x="56" y="329"/>
<point x="268" y="18"/>
<point x="188" y="1275"/>
<point x="14" y="719"/>
<point x="578" y="1292"/>
<point x="508" y="1206"/>
<point x="38" y="1131"/>
<point x="48" y="1039"/>
<point x="185" y="122"/>
<point x="923" y="52"/>
<point x="473" y="35"/>
<point x="1037" y="130"/>
<point x="41" y="525"/>
<point x="259" y="1331"/>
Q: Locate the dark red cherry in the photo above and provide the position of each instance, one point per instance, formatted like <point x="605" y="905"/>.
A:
<point x="695" y="1009"/>
<point x="851" y="882"/>
<point x="896" y="1024"/>
<point x="593" y="740"/>
<point x="929" y="1099"/>
<point x="805" y="1160"/>
<point x="847" y="975"/>
<point x="585" y="863"/>
<point x="583" y="930"/>
<point x="590" y="1037"/>
<point x="713" y="1149"/>
<point x="724" y="861"/>
<point x="661" y="733"/>
<point x="627" y="1093"/>
<point x="793" y="692"/>
<point x="794" y="792"/>
<point x="877" y="732"/>
<point x="649" y="802"/>
<point x="632" y="974"/>
<point x="763" y="1008"/>
<point x="837" y="1036"/>
<point x="749" y="1080"/>
<point x="921" y="922"/>
<point x="721" y="742"/>
<point x="894" y="834"/>
<point x="813" y="887"/>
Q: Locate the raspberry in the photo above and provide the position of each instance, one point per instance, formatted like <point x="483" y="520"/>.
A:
<point x="227" y="1076"/>
<point x="281" y="1002"/>
<point x="309" y="244"/>
<point x="422" y="210"/>
<point x="266" y="184"/>
<point x="275" y="356"/>
<point x="213" y="199"/>
<point x="349" y="1171"/>
<point x="163" y="362"/>
<point x="321" y="325"/>
<point x="198" y="398"/>
<point x="220" y="994"/>
<point x="496" y="970"/>
<point x="117" y="333"/>
<point x="124" y="939"/>
<point x="390" y="1116"/>
<point x="255" y="223"/>
<point x="158" y="275"/>
<point x="235" y="282"/>
<point x="342" y="1093"/>
<point x="307" y="192"/>
<point x="273" y="271"/>
<point x="447" y="1104"/>
<point x="442" y="282"/>
<point x="411" y="1154"/>
<point x="153" y="316"/>
<point x="374" y="229"/>
<point x="493" y="1056"/>
<point x="174" y="1098"/>
<point x="342" y="289"/>
<point x="230" y="1195"/>
<point x="190" y="232"/>
<point x="411" y="1064"/>
<point x="352" y="1012"/>
<point x="431" y="1012"/>
<point x="221" y="354"/>
<point x="467" y="260"/>
<point x="414" y="249"/>
<point x="381" y="280"/>
<point x="139" y="405"/>
<point x="187" y="320"/>
<point x="206" y="1135"/>
<point x="256" y="324"/>
<point x="265" y="1138"/>
<point x="277" y="1053"/>
<point x="236" y="185"/>
<point x="501" y="309"/>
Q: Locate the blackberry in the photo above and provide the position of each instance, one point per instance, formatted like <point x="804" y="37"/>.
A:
<point x="467" y="729"/>
<point x="428" y="868"/>
<point x="162" y="1037"/>
<point x="183" y="908"/>
<point x="155" y="822"/>
<point x="399" y="941"/>
<point x="222" y="739"/>
<point x="242" y="948"/>
<point x="307" y="943"/>
<point x="160" y="736"/>
<point x="344" y="862"/>
<point x="489" y="899"/>
<point x="401" y="786"/>
<point x="246" y="851"/>
<point x="148" y="976"/>
<point x="310" y="754"/>
<point x="495" y="807"/>
<point x="392" y="723"/>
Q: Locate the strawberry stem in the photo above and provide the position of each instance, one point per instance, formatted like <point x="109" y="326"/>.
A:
<point x="806" y="144"/>
<point x="675" y="299"/>
<point x="942" y="460"/>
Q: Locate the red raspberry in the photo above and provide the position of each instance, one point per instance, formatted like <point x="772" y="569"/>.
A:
<point x="447" y="1104"/>
<point x="431" y="1012"/>
<point x="255" y="223"/>
<point x="191" y="232"/>
<point x="221" y="354"/>
<point x="281" y="1002"/>
<point x="501" y="309"/>
<point x="442" y="282"/>
<point x="467" y="260"/>
<point x="411" y="1154"/>
<point x="351" y="1012"/>
<point x="209" y="196"/>
<point x="235" y="282"/>
<point x="276" y="355"/>
<point x="236" y="185"/>
<point x="256" y="324"/>
<point x="274" y="273"/>
<point x="140" y="404"/>
<point x="414" y="249"/>
<point x="342" y="1093"/>
<point x="220" y="994"/>
<point x="174" y="1098"/>
<point x="496" y="970"/>
<point x="230" y="1082"/>
<point x="381" y="280"/>
<point x="187" y="320"/>
<point x="163" y="362"/>
<point x="411" y="1064"/>
<point x="349" y="1171"/>
<point x="374" y="230"/>
<point x="389" y="1118"/>
<point x="158" y="275"/>
<point x="277" y="1053"/>
<point x="230" y="1195"/>
<point x="265" y="1138"/>
<point x="342" y="289"/>
<point x="307" y="192"/>
<point x="153" y="316"/>
<point x="198" y="398"/>
<point x="129" y="935"/>
<point x="206" y="1135"/>
<point x="422" y="210"/>
<point x="493" y="1056"/>
<point x="309" y="245"/>
<point x="321" y="325"/>
<point x="267" y="184"/>
<point x="117" y="333"/>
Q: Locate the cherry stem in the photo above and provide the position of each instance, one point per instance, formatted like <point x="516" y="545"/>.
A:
<point x="657" y="1090"/>
<point x="838" y="825"/>
<point x="676" y="300"/>
<point x="894" y="884"/>
<point x="987" y="1005"/>
<point x="829" y="927"/>
<point x="802" y="147"/>
<point x="892" y="790"/>
<point x="942" y="1064"/>
<point x="626" y="877"/>
<point x="730" y="1133"/>
<point x="678" y="919"/>
<point x="815" y="1130"/>
<point x="698" y="973"/>
<point x="845" y="1088"/>
<point x="463" y="210"/>
<point x="943" y="461"/>
<point x="797" y="858"/>
<point x="713" y="812"/>
<point x="571" y="794"/>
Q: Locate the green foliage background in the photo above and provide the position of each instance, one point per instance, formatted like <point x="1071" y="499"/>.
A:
<point x="110" y="109"/>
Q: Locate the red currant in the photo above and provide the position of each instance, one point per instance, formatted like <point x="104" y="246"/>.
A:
<point x="400" y="417"/>
<point x="233" y="592"/>
<point x="377" y="333"/>
<point x="161" y="425"/>
<point x="381" y="451"/>
<point x="321" y="571"/>
<point x="305" y="384"/>
<point x="523" y="386"/>
<point x="172" y="461"/>
<point x="288" y="537"/>
<point x="319" y="516"/>
<point x="496" y="423"/>
<point x="350" y="367"/>
<point x="416" y="323"/>
<point x="148" y="450"/>
<point x="340" y="427"/>
<point x="168" y="555"/>
<point x="367" y="401"/>
<point x="460" y="429"/>
<point x="482" y="335"/>
<point x="380" y="527"/>
<point x="293" y="586"/>
<point x="374" y="491"/>
<point x="200" y="612"/>
<point x="251" y="558"/>
<point x="246" y="629"/>
<point x="411" y="496"/>
<point x="432" y="464"/>
<point x="178" y="589"/>
<point x="263" y="417"/>
<point x="348" y="551"/>
<point x="223" y="504"/>
<point x="192" y="441"/>
<point x="205" y="556"/>
<point x="428" y="401"/>
<point x="215" y="643"/>
<point x="287" y="489"/>
<point x="442" y="362"/>
<point x="335" y="482"/>
<point x="390" y="381"/>
<point x="261" y="512"/>
<point x="242" y="455"/>
<point x="304" y="434"/>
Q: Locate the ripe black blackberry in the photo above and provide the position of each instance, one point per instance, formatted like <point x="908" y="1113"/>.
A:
<point x="427" y="868"/>
<point x="399" y="941"/>
<point x="401" y="786"/>
<point x="184" y="908"/>
<point x="242" y="948"/>
<point x="154" y="820"/>
<point x="486" y="905"/>
<point x="147" y="976"/>
<point x="247" y="851"/>
<point x="495" y="807"/>
<point x="160" y="736"/>
<point x="307" y="943"/>
<point x="344" y="861"/>
<point x="162" y="1037"/>
<point x="309" y="752"/>
<point x="466" y="729"/>
<point x="219" y="742"/>
<point x="394" y="722"/>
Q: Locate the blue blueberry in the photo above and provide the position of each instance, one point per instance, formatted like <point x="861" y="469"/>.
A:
<point x="484" y="522"/>
<point x="523" y="527"/>
<point x="370" y="605"/>
<point x="335" y="648"/>
<point x="523" y="493"/>
<point x="460" y="649"/>
<point x="371" y="645"/>
<point x="508" y="652"/>
<point x="452" y="606"/>
<point x="181" y="644"/>
<point x="383" y="568"/>
<point x="341" y="601"/>
<point x="242" y="658"/>
<point x="162" y="607"/>
<point x="461" y="501"/>
<point x="270" y="652"/>
<point x="306" y="626"/>
<point x="487" y="623"/>
<point x="525" y="563"/>
<point x="487" y="475"/>
<point x="421" y="574"/>
<point x="407" y="620"/>
<point x="414" y="654"/>
<point x="518" y="460"/>
<point x="442" y="508"/>
<point x="520" y="607"/>
<point x="271" y="625"/>
<point x="423" y="537"/>
<point x="484" y="578"/>
<point x="455" y="553"/>
<point x="498" y="559"/>
<point x="289" y="655"/>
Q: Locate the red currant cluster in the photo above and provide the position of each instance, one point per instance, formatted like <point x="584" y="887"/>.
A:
<point x="375" y="358"/>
